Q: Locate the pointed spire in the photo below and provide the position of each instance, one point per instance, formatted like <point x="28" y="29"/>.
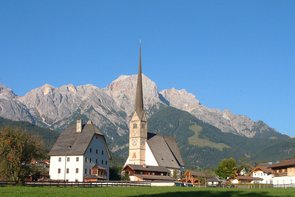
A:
<point x="139" y="95"/>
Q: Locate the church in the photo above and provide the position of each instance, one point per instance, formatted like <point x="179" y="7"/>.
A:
<point x="152" y="157"/>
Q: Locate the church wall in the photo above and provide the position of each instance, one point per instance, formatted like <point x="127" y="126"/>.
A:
<point x="149" y="157"/>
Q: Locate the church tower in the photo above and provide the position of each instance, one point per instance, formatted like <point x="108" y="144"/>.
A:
<point x="138" y="124"/>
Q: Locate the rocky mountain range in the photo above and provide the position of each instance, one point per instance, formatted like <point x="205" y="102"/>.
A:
<point x="204" y="135"/>
<point x="55" y="107"/>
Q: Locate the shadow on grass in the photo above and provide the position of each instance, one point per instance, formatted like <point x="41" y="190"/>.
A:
<point x="211" y="193"/>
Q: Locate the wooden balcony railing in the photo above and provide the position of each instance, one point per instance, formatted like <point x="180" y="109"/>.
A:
<point x="281" y="174"/>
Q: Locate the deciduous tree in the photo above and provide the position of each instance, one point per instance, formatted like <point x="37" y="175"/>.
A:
<point x="17" y="150"/>
<point x="226" y="168"/>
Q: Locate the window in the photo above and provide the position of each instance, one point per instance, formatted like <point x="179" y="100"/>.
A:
<point x="134" y="126"/>
<point x="77" y="170"/>
<point x="106" y="162"/>
<point x="90" y="150"/>
<point x="85" y="159"/>
<point x="96" y="151"/>
<point x="59" y="159"/>
<point x="90" y="160"/>
<point x="68" y="159"/>
<point x="85" y="170"/>
<point x="58" y="170"/>
<point x="96" y="161"/>
<point x="77" y="158"/>
<point x="68" y="170"/>
<point x="101" y="161"/>
<point x="89" y="171"/>
<point x="102" y="152"/>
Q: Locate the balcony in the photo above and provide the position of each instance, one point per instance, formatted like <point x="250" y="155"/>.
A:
<point x="278" y="174"/>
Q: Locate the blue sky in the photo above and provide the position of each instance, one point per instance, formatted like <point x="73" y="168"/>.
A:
<point x="236" y="55"/>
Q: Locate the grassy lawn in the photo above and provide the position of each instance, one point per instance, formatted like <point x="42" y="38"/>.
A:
<point x="141" y="191"/>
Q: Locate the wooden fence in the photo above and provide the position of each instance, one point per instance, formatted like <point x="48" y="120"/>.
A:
<point x="82" y="184"/>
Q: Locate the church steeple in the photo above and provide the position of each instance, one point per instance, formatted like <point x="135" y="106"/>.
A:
<point x="139" y="94"/>
<point x="138" y="125"/>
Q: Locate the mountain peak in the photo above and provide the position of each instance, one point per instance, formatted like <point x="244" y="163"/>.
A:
<point x="180" y="99"/>
<point x="6" y="92"/>
<point x="122" y="90"/>
<point x="46" y="88"/>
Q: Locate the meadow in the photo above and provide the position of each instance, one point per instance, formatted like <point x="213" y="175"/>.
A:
<point x="142" y="191"/>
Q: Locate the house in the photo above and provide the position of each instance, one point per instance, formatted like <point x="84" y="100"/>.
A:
<point x="216" y="181"/>
<point x="150" y="149"/>
<point x="80" y="154"/>
<point x="194" y="177"/>
<point x="284" y="173"/>
<point x="263" y="172"/>
<point x="245" y="180"/>
<point x="147" y="173"/>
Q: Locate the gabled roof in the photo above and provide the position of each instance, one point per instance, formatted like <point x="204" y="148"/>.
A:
<point x="71" y="142"/>
<point x="215" y="179"/>
<point x="196" y="174"/>
<point x="172" y="144"/>
<point x="264" y="169"/>
<point x="165" y="152"/>
<point x="147" y="168"/>
<point x="284" y="163"/>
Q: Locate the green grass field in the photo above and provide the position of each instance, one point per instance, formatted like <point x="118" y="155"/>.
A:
<point x="141" y="191"/>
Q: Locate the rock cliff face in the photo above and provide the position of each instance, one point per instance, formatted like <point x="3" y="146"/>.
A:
<point x="112" y="106"/>
<point x="11" y="108"/>
<point x="224" y="120"/>
<point x="122" y="90"/>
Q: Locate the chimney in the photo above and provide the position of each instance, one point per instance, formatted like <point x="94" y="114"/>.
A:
<point x="79" y="126"/>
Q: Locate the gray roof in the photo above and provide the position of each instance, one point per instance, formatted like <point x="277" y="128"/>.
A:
<point x="171" y="142"/>
<point x="71" y="142"/>
<point x="165" y="151"/>
<point x="215" y="179"/>
<point x="148" y="168"/>
<point x="197" y="173"/>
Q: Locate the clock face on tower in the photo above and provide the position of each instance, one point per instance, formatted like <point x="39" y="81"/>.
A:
<point x="134" y="142"/>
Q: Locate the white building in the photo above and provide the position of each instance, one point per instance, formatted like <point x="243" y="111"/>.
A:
<point x="80" y="154"/>
<point x="266" y="174"/>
